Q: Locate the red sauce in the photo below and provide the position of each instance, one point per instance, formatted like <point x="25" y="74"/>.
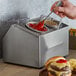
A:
<point x="61" y="61"/>
<point x="39" y="26"/>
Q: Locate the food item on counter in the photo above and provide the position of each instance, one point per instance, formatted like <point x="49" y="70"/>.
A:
<point x="51" y="23"/>
<point x="73" y="64"/>
<point x="38" y="26"/>
<point x="58" y="66"/>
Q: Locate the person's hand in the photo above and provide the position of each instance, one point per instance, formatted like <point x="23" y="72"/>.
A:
<point x="67" y="9"/>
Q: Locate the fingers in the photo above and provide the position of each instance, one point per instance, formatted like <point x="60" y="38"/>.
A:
<point x="53" y="6"/>
<point x="64" y="2"/>
<point x="59" y="9"/>
<point x="61" y="15"/>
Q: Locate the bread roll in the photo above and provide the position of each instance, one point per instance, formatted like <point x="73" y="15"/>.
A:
<point x="58" y="66"/>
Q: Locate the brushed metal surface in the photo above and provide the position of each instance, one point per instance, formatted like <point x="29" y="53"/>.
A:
<point x="25" y="47"/>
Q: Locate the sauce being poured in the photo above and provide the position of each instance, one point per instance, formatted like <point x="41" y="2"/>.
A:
<point x="39" y="26"/>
